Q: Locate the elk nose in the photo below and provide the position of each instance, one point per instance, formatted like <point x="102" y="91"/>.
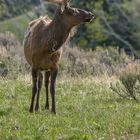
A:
<point x="91" y="14"/>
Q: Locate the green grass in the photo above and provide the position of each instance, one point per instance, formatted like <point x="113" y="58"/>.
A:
<point x="86" y="110"/>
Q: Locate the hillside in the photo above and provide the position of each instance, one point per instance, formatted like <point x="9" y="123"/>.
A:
<point x="13" y="8"/>
<point x="116" y="23"/>
<point x="16" y="25"/>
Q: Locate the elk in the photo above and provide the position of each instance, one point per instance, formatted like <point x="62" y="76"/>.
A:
<point x="42" y="47"/>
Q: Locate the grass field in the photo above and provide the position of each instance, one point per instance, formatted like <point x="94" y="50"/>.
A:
<point x="86" y="110"/>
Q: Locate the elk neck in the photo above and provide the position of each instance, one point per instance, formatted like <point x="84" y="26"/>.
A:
<point x="60" y="31"/>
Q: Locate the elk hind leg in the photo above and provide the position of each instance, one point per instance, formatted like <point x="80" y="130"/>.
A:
<point x="34" y="88"/>
<point x="39" y="85"/>
<point x="52" y="89"/>
<point x="47" y="78"/>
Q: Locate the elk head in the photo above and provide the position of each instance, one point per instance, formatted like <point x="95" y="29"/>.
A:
<point x="70" y="15"/>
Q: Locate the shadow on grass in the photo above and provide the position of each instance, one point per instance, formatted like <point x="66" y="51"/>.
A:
<point x="111" y="101"/>
<point x="77" y="137"/>
<point x="5" y="112"/>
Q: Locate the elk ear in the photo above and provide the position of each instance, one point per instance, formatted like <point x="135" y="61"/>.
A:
<point x="62" y="8"/>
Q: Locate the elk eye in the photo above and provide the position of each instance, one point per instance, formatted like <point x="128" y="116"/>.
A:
<point x="74" y="13"/>
<point x="62" y="9"/>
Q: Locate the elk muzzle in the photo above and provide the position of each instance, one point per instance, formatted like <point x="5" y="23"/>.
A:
<point x="90" y="17"/>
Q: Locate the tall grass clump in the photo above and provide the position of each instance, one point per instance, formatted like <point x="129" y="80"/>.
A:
<point x="12" y="62"/>
<point x="74" y="62"/>
<point x="102" y="61"/>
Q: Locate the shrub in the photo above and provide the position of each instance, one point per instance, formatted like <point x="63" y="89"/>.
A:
<point x="3" y="69"/>
<point x="9" y="67"/>
<point x="129" y="83"/>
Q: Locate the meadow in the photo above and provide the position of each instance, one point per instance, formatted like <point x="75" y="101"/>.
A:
<point x="87" y="109"/>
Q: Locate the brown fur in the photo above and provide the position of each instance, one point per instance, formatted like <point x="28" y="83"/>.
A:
<point x="38" y="45"/>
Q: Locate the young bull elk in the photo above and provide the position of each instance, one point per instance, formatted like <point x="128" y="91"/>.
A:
<point x="42" y="47"/>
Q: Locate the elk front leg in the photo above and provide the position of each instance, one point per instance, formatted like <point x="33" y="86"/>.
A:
<point x="52" y="89"/>
<point x="39" y="85"/>
<point x="34" y="88"/>
<point x="47" y="78"/>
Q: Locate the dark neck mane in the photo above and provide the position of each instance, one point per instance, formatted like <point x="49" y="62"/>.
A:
<point x="59" y="33"/>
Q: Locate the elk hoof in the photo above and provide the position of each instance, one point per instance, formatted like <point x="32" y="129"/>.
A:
<point x="37" y="109"/>
<point x="31" y="110"/>
<point x="53" y="112"/>
<point x="47" y="107"/>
